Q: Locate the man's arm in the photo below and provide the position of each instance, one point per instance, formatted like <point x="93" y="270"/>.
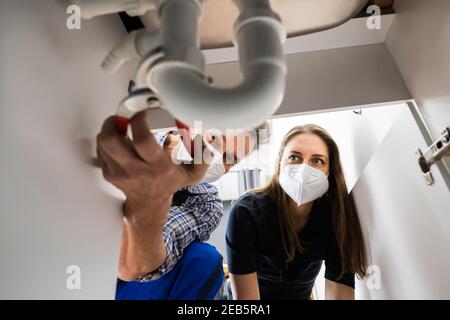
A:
<point x="193" y="220"/>
<point x="148" y="178"/>
<point x="142" y="249"/>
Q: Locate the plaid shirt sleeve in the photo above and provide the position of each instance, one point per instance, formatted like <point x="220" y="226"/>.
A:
<point x="194" y="220"/>
<point x="160" y="137"/>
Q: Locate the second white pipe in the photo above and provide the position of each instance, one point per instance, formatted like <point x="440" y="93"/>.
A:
<point x="185" y="93"/>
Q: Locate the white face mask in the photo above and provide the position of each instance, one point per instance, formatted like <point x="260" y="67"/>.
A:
<point x="215" y="170"/>
<point x="303" y="183"/>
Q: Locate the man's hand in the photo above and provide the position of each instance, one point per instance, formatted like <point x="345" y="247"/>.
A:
<point x="139" y="167"/>
<point x="148" y="177"/>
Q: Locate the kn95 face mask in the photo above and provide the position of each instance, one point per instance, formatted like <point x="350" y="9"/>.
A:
<point x="303" y="183"/>
<point x="215" y="170"/>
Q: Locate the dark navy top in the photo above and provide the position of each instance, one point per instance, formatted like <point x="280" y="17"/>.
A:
<point x="254" y="243"/>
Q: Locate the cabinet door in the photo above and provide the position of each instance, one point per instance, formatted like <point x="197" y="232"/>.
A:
<point x="60" y="221"/>
<point x="405" y="222"/>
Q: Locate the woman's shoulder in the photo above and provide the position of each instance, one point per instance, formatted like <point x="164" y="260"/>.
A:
<point x="253" y="203"/>
<point x="253" y="198"/>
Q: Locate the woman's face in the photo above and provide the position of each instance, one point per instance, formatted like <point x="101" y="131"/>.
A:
<point x="307" y="148"/>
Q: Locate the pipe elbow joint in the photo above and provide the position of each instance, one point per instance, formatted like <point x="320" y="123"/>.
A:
<point x="134" y="47"/>
<point x="182" y="87"/>
<point x="187" y="96"/>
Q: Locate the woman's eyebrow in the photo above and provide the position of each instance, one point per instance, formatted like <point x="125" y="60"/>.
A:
<point x="319" y="155"/>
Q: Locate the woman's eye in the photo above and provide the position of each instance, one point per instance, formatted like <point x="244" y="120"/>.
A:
<point x="319" y="161"/>
<point x="293" y="157"/>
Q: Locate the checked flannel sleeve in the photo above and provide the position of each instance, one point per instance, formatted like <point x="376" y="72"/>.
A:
<point x="192" y="219"/>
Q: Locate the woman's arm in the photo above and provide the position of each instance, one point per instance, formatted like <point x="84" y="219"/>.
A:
<point x="338" y="291"/>
<point x="241" y="250"/>
<point x="244" y="286"/>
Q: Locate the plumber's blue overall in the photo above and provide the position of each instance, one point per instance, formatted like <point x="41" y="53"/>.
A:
<point x="197" y="276"/>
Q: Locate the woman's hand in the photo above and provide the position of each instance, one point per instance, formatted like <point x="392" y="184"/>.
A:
<point x="245" y="286"/>
<point x="338" y="291"/>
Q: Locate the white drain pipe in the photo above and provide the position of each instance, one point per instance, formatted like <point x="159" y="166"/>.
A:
<point x="92" y="8"/>
<point x="178" y="78"/>
<point x="179" y="82"/>
<point x="134" y="47"/>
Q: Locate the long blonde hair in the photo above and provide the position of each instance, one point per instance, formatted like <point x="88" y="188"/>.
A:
<point x="345" y="220"/>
